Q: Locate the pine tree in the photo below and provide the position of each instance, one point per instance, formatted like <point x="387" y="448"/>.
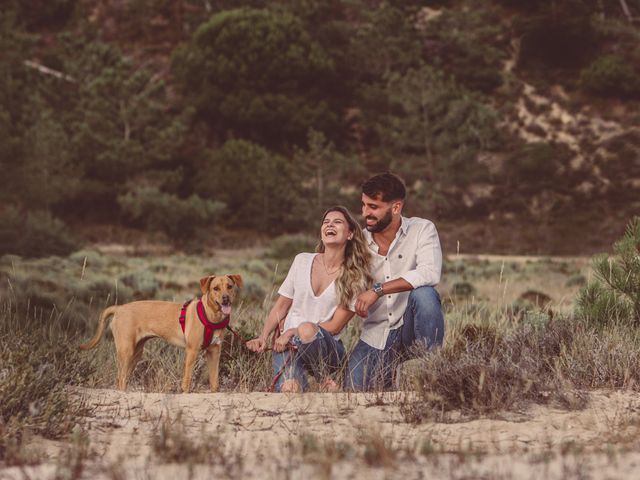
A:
<point x="615" y="293"/>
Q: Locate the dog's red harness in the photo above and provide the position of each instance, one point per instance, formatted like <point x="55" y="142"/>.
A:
<point x="209" y="327"/>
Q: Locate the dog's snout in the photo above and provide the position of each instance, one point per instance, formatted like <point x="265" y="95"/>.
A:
<point x="225" y="298"/>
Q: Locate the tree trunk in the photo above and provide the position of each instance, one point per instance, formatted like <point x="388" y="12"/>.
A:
<point x="625" y="9"/>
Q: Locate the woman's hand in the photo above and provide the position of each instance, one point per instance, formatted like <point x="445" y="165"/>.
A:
<point x="282" y="342"/>
<point x="257" y="344"/>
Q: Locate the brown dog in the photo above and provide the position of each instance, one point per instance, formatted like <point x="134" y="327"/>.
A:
<point x="136" y="322"/>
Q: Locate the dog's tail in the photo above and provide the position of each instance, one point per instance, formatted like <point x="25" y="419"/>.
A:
<point x="101" y="326"/>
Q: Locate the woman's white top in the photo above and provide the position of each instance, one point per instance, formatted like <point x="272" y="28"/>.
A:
<point x="306" y="305"/>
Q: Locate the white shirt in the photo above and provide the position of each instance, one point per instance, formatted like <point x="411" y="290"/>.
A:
<point x="306" y="306"/>
<point x="414" y="255"/>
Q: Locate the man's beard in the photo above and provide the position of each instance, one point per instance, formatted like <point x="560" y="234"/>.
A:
<point x="381" y="224"/>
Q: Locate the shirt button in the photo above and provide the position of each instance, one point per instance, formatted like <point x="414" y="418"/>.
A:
<point x="389" y="314"/>
<point x="388" y="296"/>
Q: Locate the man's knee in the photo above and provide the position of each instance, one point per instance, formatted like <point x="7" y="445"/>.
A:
<point x="307" y="332"/>
<point x="425" y="299"/>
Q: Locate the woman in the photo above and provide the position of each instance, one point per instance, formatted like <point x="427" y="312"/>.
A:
<point x="317" y="300"/>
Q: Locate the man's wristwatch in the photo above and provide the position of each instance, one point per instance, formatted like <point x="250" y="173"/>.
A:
<point x="377" y="289"/>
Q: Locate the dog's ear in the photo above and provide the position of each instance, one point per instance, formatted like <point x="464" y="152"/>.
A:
<point x="237" y="279"/>
<point x="205" y="282"/>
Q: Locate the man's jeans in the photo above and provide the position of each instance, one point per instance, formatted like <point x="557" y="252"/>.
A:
<point x="322" y="357"/>
<point x="370" y="368"/>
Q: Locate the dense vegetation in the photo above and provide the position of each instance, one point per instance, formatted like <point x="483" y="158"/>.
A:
<point x="175" y="116"/>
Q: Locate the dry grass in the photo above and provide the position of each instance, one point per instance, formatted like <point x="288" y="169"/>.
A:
<point x="499" y="355"/>
<point x="38" y="365"/>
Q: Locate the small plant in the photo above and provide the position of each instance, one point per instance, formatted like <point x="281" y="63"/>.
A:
<point x="34" y="234"/>
<point x="288" y="246"/>
<point x="177" y="217"/>
<point x="171" y="443"/>
<point x="377" y="451"/>
<point x="614" y="296"/>
<point x="73" y="458"/>
<point x="484" y="369"/>
<point x="611" y="75"/>
<point x="37" y="368"/>
<point x="463" y="289"/>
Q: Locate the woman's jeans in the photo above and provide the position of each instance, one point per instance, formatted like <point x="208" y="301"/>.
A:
<point x="321" y="357"/>
<point x="423" y="328"/>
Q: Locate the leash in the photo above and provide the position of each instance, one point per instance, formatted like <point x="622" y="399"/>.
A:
<point x="210" y="327"/>
<point x="277" y="376"/>
<point x="290" y="348"/>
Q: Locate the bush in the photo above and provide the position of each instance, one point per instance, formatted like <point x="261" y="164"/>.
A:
<point x="178" y="218"/>
<point x="34" y="234"/>
<point x="35" y="372"/>
<point x="45" y="13"/>
<point x="286" y="247"/>
<point x="484" y="370"/>
<point x="615" y="294"/>
<point x="611" y="75"/>
<point x="257" y="73"/>
<point x="257" y="186"/>
<point x="557" y="34"/>
<point x="534" y="163"/>
<point x="143" y="284"/>
<point x="469" y="44"/>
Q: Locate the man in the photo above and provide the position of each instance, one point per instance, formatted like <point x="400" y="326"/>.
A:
<point x="403" y="308"/>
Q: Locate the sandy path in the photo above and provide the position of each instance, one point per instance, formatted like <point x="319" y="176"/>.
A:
<point x="261" y="435"/>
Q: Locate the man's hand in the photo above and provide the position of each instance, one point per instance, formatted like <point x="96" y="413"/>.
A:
<point x="364" y="301"/>
<point x="257" y="344"/>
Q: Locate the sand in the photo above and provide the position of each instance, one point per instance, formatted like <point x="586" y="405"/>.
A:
<point x="316" y="435"/>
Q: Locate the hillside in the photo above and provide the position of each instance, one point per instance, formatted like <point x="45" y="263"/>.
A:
<point x="515" y="123"/>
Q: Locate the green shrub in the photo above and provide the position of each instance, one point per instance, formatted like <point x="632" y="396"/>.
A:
<point x="484" y="369"/>
<point x="469" y="44"/>
<point x="556" y="34"/>
<point x="576" y="281"/>
<point x="286" y="247"/>
<point x="258" y="73"/>
<point x="463" y="289"/>
<point x="257" y="186"/>
<point x="614" y="296"/>
<point x="34" y="234"/>
<point x="179" y="218"/>
<point x="142" y="282"/>
<point x="611" y="75"/>
<point x="442" y="134"/>
<point x="35" y="373"/>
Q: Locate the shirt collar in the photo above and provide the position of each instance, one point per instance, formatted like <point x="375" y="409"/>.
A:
<point x="404" y="227"/>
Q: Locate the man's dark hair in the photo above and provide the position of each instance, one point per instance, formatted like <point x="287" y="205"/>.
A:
<point x="388" y="185"/>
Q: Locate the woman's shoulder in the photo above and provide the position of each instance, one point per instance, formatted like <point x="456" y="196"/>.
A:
<point x="301" y="259"/>
<point x="304" y="256"/>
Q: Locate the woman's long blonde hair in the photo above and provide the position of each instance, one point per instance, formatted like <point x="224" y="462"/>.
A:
<point x="356" y="268"/>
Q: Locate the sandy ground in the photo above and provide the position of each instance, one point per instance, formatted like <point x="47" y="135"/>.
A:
<point x="313" y="435"/>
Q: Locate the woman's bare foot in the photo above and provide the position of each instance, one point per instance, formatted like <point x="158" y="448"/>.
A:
<point x="329" y="385"/>
<point x="290" y="386"/>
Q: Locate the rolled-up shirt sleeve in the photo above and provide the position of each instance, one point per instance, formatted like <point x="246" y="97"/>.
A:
<point x="428" y="259"/>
